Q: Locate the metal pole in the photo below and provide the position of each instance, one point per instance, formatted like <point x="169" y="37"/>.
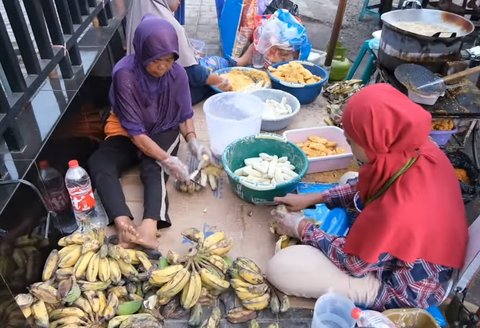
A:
<point x="337" y="25"/>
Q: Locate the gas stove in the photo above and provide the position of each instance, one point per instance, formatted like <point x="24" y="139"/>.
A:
<point x="458" y="102"/>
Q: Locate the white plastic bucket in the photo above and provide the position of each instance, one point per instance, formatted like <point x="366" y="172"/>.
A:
<point x="230" y="116"/>
<point x="333" y="310"/>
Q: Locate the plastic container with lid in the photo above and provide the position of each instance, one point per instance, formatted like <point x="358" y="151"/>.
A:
<point x="333" y="310"/>
<point x="231" y="116"/>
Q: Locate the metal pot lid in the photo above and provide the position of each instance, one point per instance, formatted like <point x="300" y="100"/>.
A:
<point x="450" y="25"/>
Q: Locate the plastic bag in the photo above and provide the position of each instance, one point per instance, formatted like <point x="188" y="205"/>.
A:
<point x="460" y="160"/>
<point x="281" y="38"/>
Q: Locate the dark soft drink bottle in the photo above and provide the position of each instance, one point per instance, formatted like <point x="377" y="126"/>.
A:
<point x="55" y="193"/>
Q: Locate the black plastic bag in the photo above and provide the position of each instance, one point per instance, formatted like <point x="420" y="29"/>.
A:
<point x="282" y="4"/>
<point x="460" y="160"/>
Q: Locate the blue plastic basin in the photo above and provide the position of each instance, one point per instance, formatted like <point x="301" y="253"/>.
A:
<point x="305" y="93"/>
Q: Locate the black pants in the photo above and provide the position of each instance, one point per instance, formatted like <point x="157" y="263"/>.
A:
<point x="118" y="154"/>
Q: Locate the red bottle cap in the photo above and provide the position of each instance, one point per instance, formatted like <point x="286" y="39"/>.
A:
<point x="73" y="163"/>
<point x="43" y="164"/>
<point x="356" y="313"/>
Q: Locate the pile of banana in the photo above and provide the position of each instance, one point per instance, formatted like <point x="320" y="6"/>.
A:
<point x="20" y="259"/>
<point x="337" y="95"/>
<point x="253" y="289"/>
<point x="94" y="284"/>
<point x="89" y="283"/>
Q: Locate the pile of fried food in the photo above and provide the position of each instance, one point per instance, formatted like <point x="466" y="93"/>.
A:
<point x="247" y="80"/>
<point x="316" y="146"/>
<point x="294" y="72"/>
<point x="443" y="124"/>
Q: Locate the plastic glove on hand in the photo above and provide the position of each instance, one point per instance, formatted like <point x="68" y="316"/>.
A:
<point x="286" y="223"/>
<point x="200" y="151"/>
<point x="174" y="167"/>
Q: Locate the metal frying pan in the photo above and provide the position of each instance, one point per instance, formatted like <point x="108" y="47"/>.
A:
<point x="421" y="80"/>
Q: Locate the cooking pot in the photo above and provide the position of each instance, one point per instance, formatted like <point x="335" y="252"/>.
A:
<point x="399" y="46"/>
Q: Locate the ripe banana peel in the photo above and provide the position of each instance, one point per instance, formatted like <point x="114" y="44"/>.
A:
<point x="240" y="315"/>
<point x="51" y="265"/>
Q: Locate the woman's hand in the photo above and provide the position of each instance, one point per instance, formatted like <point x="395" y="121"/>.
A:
<point x="199" y="150"/>
<point x="174" y="167"/>
<point x="287" y="223"/>
<point x="219" y="81"/>
<point x="295" y="202"/>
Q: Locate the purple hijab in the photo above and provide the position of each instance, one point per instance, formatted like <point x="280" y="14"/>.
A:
<point x="143" y="103"/>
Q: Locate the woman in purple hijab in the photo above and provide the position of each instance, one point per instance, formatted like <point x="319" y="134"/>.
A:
<point x="151" y="108"/>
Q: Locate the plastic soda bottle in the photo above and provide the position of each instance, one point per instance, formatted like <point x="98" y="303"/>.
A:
<point x="85" y="207"/>
<point x="371" y="319"/>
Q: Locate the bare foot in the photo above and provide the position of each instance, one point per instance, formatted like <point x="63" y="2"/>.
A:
<point x="148" y="234"/>
<point x="246" y="58"/>
<point x="127" y="234"/>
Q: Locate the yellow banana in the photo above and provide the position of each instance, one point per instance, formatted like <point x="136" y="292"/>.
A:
<point x="68" y="249"/>
<point x="221" y="248"/>
<point x="127" y="269"/>
<point x="127" y="320"/>
<point x="259" y="289"/>
<point x="194" y="235"/>
<point x="244" y="294"/>
<point x="143" y="259"/>
<point x="39" y="312"/>
<point x="103" y="251"/>
<point x="101" y="235"/>
<point x="102" y="301"/>
<point x="92" y="298"/>
<point x="65" y="273"/>
<point x="162" y="276"/>
<point x="213" y="281"/>
<point x="92" y="268"/>
<point x="91" y="245"/>
<point x="66" y="312"/>
<point x="104" y="269"/>
<point x="82" y="264"/>
<point x="45" y="292"/>
<point x="132" y="255"/>
<point x="119" y="291"/>
<point x="175" y="285"/>
<point x="93" y="286"/>
<point x="251" y="276"/>
<point x="243" y="262"/>
<point x="219" y="262"/>
<point x="123" y="253"/>
<point x="115" y="273"/>
<point x="213" y="239"/>
<point x="76" y="238"/>
<point x="191" y="292"/>
<point x="111" y="308"/>
<point x="258" y="303"/>
<point x="19" y="257"/>
<point x="69" y="259"/>
<point x="83" y="304"/>
<point x="67" y="321"/>
<point x="113" y="252"/>
<point x="27" y="311"/>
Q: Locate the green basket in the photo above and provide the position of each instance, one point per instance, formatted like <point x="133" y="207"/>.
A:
<point x="251" y="146"/>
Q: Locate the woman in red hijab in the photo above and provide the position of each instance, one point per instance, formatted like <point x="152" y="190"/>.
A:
<point x="411" y="231"/>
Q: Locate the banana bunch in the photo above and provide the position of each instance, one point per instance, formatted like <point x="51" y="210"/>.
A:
<point x="254" y="291"/>
<point x="249" y="284"/>
<point x="87" y="257"/>
<point x="95" y="307"/>
<point x="20" y="259"/>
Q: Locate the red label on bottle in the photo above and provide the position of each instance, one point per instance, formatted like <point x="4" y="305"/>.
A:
<point x="82" y="200"/>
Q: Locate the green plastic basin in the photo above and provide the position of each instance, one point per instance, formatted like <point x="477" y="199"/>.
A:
<point x="252" y="146"/>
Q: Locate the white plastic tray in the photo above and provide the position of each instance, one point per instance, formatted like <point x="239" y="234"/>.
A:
<point x="324" y="163"/>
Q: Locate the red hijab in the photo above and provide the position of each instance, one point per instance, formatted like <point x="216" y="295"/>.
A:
<point x="421" y="216"/>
